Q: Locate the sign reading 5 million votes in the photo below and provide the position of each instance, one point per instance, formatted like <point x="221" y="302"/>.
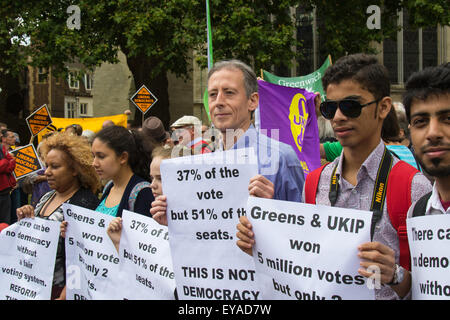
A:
<point x="92" y="262"/>
<point x="206" y="194"/>
<point x="309" y="252"/>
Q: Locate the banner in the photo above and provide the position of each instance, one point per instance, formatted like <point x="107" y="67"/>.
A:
<point x="308" y="252"/>
<point x="206" y="194"/>
<point x="92" y="262"/>
<point x="93" y="124"/>
<point x="145" y="259"/>
<point x="27" y="259"/>
<point x="288" y="115"/>
<point x="311" y="82"/>
<point x="429" y="239"/>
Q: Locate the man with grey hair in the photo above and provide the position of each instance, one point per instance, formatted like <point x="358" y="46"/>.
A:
<point x="233" y="97"/>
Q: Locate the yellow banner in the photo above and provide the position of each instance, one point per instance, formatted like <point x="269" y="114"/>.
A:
<point x="93" y="124"/>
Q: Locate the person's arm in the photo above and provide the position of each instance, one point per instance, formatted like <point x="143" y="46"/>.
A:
<point x="377" y="256"/>
<point x="245" y="235"/>
<point x="159" y="209"/>
<point x="114" y="231"/>
<point x="260" y="186"/>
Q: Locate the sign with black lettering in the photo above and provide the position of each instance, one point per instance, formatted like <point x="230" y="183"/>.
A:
<point x="309" y="252"/>
<point x="27" y="259"/>
<point x="39" y="120"/>
<point x="429" y="239"/>
<point x="27" y="161"/>
<point x="206" y="194"/>
<point x="92" y="262"/>
<point x="145" y="259"/>
<point x="143" y="99"/>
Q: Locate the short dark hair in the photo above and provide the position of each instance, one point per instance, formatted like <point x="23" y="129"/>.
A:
<point x="362" y="68"/>
<point x="430" y="82"/>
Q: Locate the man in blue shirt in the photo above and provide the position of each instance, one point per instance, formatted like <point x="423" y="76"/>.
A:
<point x="233" y="98"/>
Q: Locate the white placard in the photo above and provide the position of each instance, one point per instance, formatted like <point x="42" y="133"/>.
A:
<point x="429" y="243"/>
<point x="308" y="252"/>
<point x="92" y="262"/>
<point x="145" y="260"/>
<point x="206" y="194"/>
<point x="27" y="259"/>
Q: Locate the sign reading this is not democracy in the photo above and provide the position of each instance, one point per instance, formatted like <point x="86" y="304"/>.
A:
<point x="206" y="194"/>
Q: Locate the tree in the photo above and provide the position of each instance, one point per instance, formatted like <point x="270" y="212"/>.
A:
<point x="156" y="37"/>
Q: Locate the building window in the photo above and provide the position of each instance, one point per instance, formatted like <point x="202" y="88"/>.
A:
<point x="83" y="109"/>
<point x="411" y="51"/>
<point x="88" y="81"/>
<point x="71" y="109"/>
<point x="42" y="75"/>
<point x="73" y="81"/>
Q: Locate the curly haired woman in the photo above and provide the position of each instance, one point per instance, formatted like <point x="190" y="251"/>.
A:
<point x="73" y="180"/>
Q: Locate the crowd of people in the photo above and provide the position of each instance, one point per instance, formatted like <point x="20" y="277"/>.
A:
<point x="118" y="169"/>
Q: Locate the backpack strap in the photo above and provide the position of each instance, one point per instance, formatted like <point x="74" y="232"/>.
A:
<point x="134" y="193"/>
<point x="311" y="184"/>
<point x="421" y="205"/>
<point x="398" y="201"/>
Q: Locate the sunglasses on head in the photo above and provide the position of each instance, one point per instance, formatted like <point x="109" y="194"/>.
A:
<point x="349" y="107"/>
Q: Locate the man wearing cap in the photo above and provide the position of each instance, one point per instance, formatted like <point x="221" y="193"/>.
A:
<point x="188" y="131"/>
<point x="154" y="129"/>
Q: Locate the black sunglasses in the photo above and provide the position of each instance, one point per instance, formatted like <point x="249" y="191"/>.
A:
<point x="349" y="107"/>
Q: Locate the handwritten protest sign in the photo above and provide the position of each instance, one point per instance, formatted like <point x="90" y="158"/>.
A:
<point x="92" y="262"/>
<point x="429" y="239"/>
<point x="206" y="194"/>
<point x="308" y="252"/>
<point x="27" y="259"/>
<point x="145" y="260"/>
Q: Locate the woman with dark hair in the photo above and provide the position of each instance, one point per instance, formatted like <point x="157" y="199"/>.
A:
<point x="121" y="156"/>
<point x="73" y="180"/>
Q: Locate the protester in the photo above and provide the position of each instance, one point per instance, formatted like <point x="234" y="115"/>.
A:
<point x="74" y="129"/>
<point x="390" y="134"/>
<point x="72" y="180"/>
<point x="8" y="139"/>
<point x="107" y="123"/>
<point x="358" y="100"/>
<point x="233" y="98"/>
<point x="427" y="105"/>
<point x="153" y="128"/>
<point x="7" y="180"/>
<point x="121" y="156"/>
<point x="187" y="131"/>
<point x="160" y="153"/>
<point x="89" y="135"/>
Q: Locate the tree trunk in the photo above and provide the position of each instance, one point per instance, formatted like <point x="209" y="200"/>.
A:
<point x="141" y="67"/>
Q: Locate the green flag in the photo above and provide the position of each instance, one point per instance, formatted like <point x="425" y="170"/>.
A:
<point x="210" y="57"/>
<point x="311" y="82"/>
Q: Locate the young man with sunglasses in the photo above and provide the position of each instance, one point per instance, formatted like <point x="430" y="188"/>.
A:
<point x="358" y="101"/>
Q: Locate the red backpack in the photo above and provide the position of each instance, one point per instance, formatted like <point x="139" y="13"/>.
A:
<point x="398" y="201"/>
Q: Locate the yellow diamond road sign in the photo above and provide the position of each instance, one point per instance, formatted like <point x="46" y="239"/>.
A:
<point x="143" y="99"/>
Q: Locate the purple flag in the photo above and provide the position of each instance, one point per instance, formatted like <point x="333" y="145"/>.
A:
<point x="292" y="112"/>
